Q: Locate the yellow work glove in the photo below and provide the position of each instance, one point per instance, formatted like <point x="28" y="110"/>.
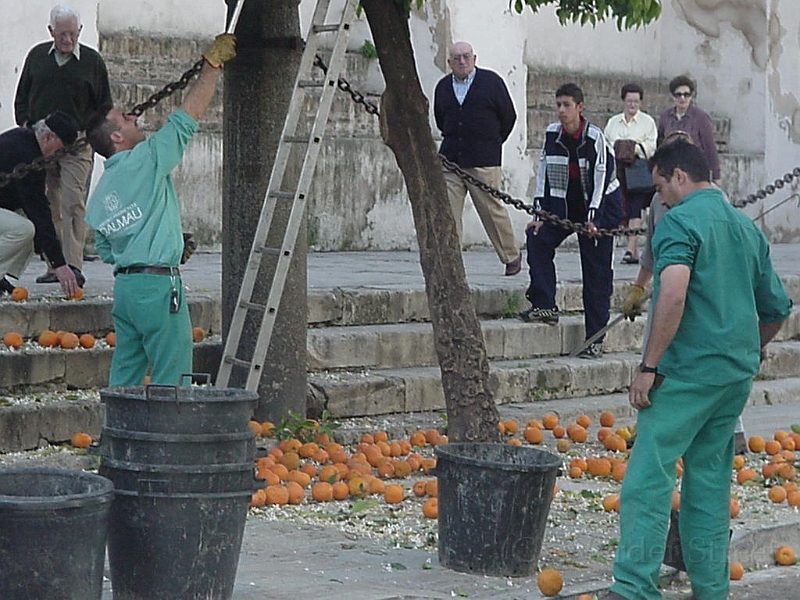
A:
<point x="222" y="50"/>
<point x="633" y="296"/>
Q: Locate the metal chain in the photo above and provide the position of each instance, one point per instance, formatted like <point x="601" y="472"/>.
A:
<point x="769" y="189"/>
<point x="345" y="86"/>
<point x="42" y="162"/>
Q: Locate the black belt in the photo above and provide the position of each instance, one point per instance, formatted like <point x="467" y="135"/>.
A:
<point x="148" y="270"/>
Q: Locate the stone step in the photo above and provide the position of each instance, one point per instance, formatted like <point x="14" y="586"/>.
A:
<point x="415" y="389"/>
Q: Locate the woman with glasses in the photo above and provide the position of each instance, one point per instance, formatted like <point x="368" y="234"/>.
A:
<point x="685" y="116"/>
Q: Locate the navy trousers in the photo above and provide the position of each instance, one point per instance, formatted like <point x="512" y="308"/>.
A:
<point x="596" y="268"/>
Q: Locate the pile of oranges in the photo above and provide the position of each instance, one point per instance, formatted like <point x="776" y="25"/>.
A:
<point x="778" y="468"/>
<point x="323" y="470"/>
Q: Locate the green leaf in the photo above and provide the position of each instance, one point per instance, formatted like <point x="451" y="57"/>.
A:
<point x="796" y="428"/>
<point x="396" y="566"/>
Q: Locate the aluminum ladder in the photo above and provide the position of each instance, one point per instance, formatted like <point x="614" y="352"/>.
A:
<point x="292" y="188"/>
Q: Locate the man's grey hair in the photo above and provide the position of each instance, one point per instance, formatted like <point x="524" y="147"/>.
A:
<point x="61" y="13"/>
<point x="41" y="129"/>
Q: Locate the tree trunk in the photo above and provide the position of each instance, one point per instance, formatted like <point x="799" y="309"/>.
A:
<point x="257" y="93"/>
<point x="471" y="411"/>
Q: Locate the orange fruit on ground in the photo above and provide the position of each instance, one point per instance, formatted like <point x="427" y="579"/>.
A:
<point x="198" y="334"/>
<point x="111" y="339"/>
<point x="307" y="450"/>
<point x="559" y="431"/>
<point x="290" y="445"/>
<point x="735" y="508"/>
<point x="533" y="435"/>
<point x="737" y="570"/>
<point x="48" y="338"/>
<point x="607" y="419"/>
<point x="268" y="475"/>
<point x="267" y="429"/>
<point x="777" y="494"/>
<point x="80" y="440"/>
<point x="69" y="341"/>
<point x="394" y="494"/>
<point x="511" y="426"/>
<point x="785" y="556"/>
<point x="277" y="494"/>
<point x="535" y="423"/>
<point x="430" y="508"/>
<point x="599" y="467"/>
<point x="380" y="436"/>
<point x="418" y="439"/>
<point x="299" y="477"/>
<point x="584" y="421"/>
<point x="419" y="489"/>
<point x="769" y="470"/>
<point x="787" y="471"/>
<point x="789" y="486"/>
<point x="291" y="460"/>
<point x="756" y="443"/>
<point x="296" y="492"/>
<point x="322" y="491"/>
<point x="575" y="472"/>
<point x="563" y="446"/>
<point x="386" y="470"/>
<point x="78" y="295"/>
<point x="367" y="438"/>
<point x="402" y="468"/>
<point x="256" y="427"/>
<point x="788" y="444"/>
<point x="275" y="453"/>
<point x="611" y="503"/>
<point x="738" y="462"/>
<point x="780" y="435"/>
<point x="515" y="442"/>
<point x="550" y="582"/>
<point x="309" y="469"/>
<point x="259" y="498"/>
<point x="358" y="486"/>
<point x="745" y="475"/>
<point x="793" y="498"/>
<point x="772" y="447"/>
<point x="578" y="434"/>
<point x="376" y="486"/>
<point x="603" y="433"/>
<point x="12" y="339"/>
<point x="281" y="471"/>
<point x="341" y="491"/>
<point x="19" y="294"/>
<point x="584" y="597"/>
<point x="614" y="443"/>
<point x="86" y="340"/>
<point x="578" y="462"/>
<point x="550" y="420"/>
<point x="618" y="470"/>
<point x="432" y="488"/>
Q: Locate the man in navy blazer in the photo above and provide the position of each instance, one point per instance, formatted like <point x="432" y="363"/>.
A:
<point x="475" y="114"/>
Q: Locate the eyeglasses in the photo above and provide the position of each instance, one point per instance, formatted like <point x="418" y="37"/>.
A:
<point x="682" y="94"/>
<point x="67" y="35"/>
<point x="458" y="57"/>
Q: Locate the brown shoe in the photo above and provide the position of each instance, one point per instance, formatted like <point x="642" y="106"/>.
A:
<point x="514" y="267"/>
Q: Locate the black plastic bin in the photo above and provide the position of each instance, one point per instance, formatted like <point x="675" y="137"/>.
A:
<point x="53" y="526"/>
<point x="493" y="505"/>
<point x="175" y="546"/>
<point x="180" y="410"/>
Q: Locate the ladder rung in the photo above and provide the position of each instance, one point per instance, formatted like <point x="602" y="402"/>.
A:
<point x="252" y="306"/>
<point x="310" y="84"/>
<point x="237" y="361"/>
<point x="282" y="195"/>
<point x="269" y="251"/>
<point x="326" y="27"/>
<point x="296" y="139"/>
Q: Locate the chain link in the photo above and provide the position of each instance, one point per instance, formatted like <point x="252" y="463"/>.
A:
<point x="42" y="162"/>
<point x="769" y="189"/>
<point x="345" y="86"/>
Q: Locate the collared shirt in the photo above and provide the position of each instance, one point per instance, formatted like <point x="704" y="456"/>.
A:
<point x="697" y="123"/>
<point x="641" y="128"/>
<point x="62" y="59"/>
<point x="460" y="88"/>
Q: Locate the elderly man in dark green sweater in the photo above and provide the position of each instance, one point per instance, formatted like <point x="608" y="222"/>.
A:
<point x="64" y="75"/>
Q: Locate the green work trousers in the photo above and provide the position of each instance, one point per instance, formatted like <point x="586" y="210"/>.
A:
<point x="696" y="422"/>
<point x="148" y="334"/>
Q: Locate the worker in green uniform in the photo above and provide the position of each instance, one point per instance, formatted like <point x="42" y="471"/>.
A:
<point x="135" y="214"/>
<point x="718" y="301"/>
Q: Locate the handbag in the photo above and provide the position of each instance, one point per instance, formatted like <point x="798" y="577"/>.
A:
<point x="638" y="178"/>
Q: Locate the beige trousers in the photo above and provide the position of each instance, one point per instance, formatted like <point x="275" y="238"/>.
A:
<point x="67" y="189"/>
<point x="492" y="212"/>
<point x="16" y="243"/>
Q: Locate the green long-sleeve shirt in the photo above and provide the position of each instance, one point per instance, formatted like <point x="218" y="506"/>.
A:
<point x="80" y="87"/>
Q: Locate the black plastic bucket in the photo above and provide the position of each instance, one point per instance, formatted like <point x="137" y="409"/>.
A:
<point x="175" y="546"/>
<point x="177" y="448"/>
<point x="183" y="410"/>
<point x="174" y="479"/>
<point x="493" y="505"/>
<point x="53" y="526"/>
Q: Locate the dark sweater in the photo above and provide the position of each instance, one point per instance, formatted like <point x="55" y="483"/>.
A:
<point x="19" y="146"/>
<point x="473" y="132"/>
<point x="79" y="88"/>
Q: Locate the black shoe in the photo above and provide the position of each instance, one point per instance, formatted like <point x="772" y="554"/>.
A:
<point x="6" y="287"/>
<point x="592" y="351"/>
<point x="91" y="257"/>
<point x="78" y="275"/>
<point x="48" y="277"/>
<point x="540" y="315"/>
<point x="514" y="267"/>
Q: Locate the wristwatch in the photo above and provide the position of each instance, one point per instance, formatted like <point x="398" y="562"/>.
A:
<point x="643" y="368"/>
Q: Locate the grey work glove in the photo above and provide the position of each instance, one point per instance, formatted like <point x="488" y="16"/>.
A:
<point x="222" y="50"/>
<point x="189" y="246"/>
<point x="631" y="308"/>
